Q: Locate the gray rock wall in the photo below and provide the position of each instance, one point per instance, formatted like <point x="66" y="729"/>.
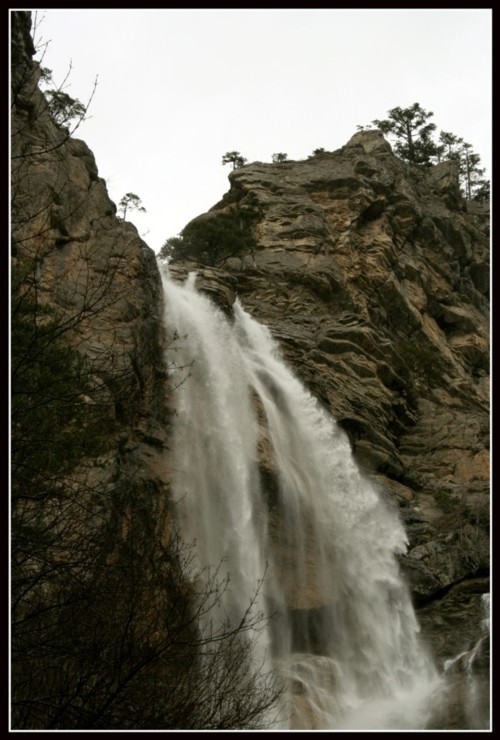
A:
<point x="92" y="267"/>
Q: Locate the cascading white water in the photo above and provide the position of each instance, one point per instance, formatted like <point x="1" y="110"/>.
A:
<point x="344" y="634"/>
<point x="467" y="683"/>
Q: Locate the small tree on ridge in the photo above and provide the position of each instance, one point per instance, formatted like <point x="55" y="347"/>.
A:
<point x="235" y="159"/>
<point x="412" y="131"/>
<point x="130" y="202"/>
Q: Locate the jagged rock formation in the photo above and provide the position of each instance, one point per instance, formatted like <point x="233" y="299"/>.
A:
<point x="89" y="264"/>
<point x="374" y="277"/>
<point x="88" y="540"/>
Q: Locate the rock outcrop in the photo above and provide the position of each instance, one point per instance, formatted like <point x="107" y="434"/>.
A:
<point x="92" y="267"/>
<point x="91" y="522"/>
<point x="374" y="277"/>
<point x="74" y="262"/>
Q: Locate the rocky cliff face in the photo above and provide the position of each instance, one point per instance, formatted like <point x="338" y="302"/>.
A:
<point x="91" y="579"/>
<point x="374" y="277"/>
<point x="92" y="267"/>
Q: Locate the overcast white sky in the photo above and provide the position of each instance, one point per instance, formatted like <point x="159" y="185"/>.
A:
<point x="179" y="88"/>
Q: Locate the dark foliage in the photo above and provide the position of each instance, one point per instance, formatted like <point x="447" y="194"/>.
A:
<point x="213" y="238"/>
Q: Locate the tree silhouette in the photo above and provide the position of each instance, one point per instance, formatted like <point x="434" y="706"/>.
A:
<point x="214" y="237"/>
<point x="130" y="202"/>
<point x="63" y="107"/>
<point x="234" y="158"/>
<point x="471" y="174"/>
<point x="412" y="132"/>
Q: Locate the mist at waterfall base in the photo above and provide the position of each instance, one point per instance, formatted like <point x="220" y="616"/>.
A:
<point x="266" y="485"/>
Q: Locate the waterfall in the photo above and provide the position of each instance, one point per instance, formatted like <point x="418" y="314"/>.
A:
<point x="265" y="483"/>
<point x="464" y="681"/>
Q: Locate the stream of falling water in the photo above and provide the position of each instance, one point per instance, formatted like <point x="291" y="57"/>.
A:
<point x="266" y="484"/>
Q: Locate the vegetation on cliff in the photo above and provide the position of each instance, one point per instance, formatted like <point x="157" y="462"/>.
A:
<point x="234" y="158"/>
<point x="412" y="131"/>
<point x="213" y="238"/>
